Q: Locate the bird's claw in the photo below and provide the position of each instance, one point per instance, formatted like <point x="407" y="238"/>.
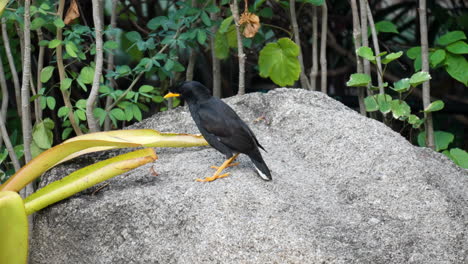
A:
<point x="212" y="178"/>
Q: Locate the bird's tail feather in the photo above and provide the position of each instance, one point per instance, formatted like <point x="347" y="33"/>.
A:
<point x="260" y="165"/>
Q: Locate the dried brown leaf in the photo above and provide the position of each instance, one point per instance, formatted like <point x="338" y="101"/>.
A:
<point x="251" y="23"/>
<point x="72" y="13"/>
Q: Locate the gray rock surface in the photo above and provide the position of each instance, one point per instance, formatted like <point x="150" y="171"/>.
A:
<point x="345" y="189"/>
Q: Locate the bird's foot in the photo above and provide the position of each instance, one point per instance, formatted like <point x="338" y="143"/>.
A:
<point x="230" y="165"/>
<point x="212" y="178"/>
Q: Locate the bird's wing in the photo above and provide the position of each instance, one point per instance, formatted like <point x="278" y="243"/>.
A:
<point x="218" y="119"/>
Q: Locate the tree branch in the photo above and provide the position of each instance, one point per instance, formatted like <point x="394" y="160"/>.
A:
<point x="11" y="62"/>
<point x="25" y="93"/>
<point x="376" y="49"/>
<point x="90" y="103"/>
<point x="110" y="63"/>
<point x="215" y="61"/>
<point x="425" y="67"/>
<point x="323" y="48"/>
<point x="314" y="71"/>
<point x="357" y="42"/>
<point x="240" y="49"/>
<point x="297" y="39"/>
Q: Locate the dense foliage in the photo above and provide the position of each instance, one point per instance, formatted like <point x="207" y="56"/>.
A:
<point x="150" y="45"/>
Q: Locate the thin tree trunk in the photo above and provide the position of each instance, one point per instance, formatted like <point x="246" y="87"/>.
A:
<point x="215" y="61"/>
<point x="11" y="62"/>
<point x="25" y="93"/>
<point x="110" y="64"/>
<point x="191" y="65"/>
<point x="21" y="38"/>
<point x="5" y="98"/>
<point x="365" y="39"/>
<point x="61" y="71"/>
<point x="240" y="49"/>
<point x="8" y="144"/>
<point x="314" y="71"/>
<point x="425" y="67"/>
<point x="297" y="39"/>
<point x="90" y="103"/>
<point x="25" y="104"/>
<point x="323" y="48"/>
<point x="376" y="49"/>
<point x="40" y="65"/>
<point x="357" y="42"/>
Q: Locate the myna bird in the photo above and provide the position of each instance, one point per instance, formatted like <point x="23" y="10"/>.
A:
<point x="221" y="127"/>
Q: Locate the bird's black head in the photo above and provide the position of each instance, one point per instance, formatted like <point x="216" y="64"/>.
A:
<point x="190" y="91"/>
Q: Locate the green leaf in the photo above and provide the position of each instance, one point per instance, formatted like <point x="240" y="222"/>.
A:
<point x="65" y="84"/>
<point x="278" y="60"/>
<point x="266" y="12"/>
<point x="313" y="2"/>
<point x="456" y="66"/>
<point x="402" y="85"/>
<point x="133" y="36"/>
<point x="459" y="47"/>
<point x="212" y="8"/>
<point x="441" y="139"/>
<point x="201" y="36"/>
<point x="110" y="44"/>
<point x="221" y="46"/>
<point x="232" y="36"/>
<point x="51" y="102"/>
<point x="137" y="112"/>
<point x="435" y="106"/>
<point x="37" y="23"/>
<point x="437" y="57"/>
<point x="169" y="65"/>
<point x="419" y="77"/>
<point x="42" y="136"/>
<point x="384" y="101"/>
<point x="413" y="119"/>
<point x="400" y="109"/>
<point x="66" y="133"/>
<point x="414" y="52"/>
<point x="158" y="99"/>
<point x="386" y="26"/>
<point x="46" y="73"/>
<point x="63" y="111"/>
<point x="146" y="89"/>
<point x="118" y="114"/>
<point x="100" y="114"/>
<point x="154" y="23"/>
<point x="225" y="24"/>
<point x="451" y="37"/>
<point x="460" y="157"/>
<point x="358" y="80"/>
<point x="71" y="49"/>
<point x="58" y="22"/>
<point x="86" y="75"/>
<point x="54" y="43"/>
<point x="205" y="19"/>
<point x="80" y="114"/>
<point x="391" y="57"/>
<point x="366" y="53"/>
<point x="370" y="102"/>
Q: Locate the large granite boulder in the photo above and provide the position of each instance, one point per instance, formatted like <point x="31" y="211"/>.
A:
<point x="345" y="189"/>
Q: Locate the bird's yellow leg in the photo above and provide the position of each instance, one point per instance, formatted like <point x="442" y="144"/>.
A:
<point x="217" y="175"/>
<point x="230" y="165"/>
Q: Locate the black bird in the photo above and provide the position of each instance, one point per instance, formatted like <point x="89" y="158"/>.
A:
<point x="221" y="127"/>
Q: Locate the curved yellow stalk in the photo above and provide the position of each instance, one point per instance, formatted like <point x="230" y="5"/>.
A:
<point x="13" y="229"/>
<point x="87" y="177"/>
<point x="93" y="142"/>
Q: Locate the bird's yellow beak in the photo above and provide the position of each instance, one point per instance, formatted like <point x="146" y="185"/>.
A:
<point x="171" y="95"/>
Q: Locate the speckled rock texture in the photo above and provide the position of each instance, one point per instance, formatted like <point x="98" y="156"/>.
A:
<point x="345" y="189"/>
